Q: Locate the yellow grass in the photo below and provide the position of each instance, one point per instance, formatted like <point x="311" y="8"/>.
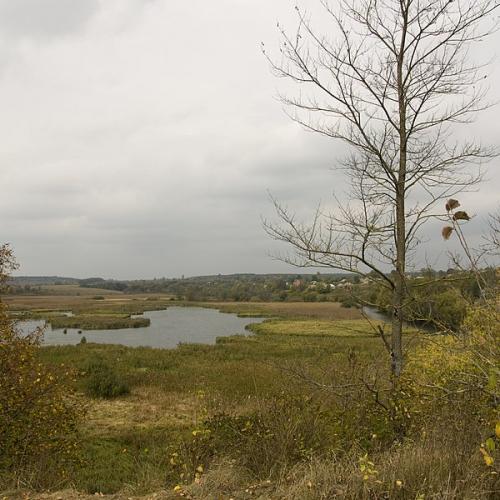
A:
<point x="146" y="407"/>
<point x="331" y="311"/>
<point x="69" y="302"/>
<point x="309" y="328"/>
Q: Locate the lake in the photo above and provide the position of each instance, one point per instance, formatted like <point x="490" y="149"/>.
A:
<point x="168" y="328"/>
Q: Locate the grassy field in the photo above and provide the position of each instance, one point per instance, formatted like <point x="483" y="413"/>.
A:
<point x="292" y="310"/>
<point x="251" y="416"/>
<point x="128" y="442"/>
<point x="99" y="300"/>
<point x="89" y="311"/>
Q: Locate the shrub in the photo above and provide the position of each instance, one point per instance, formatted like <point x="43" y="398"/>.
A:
<point x="440" y="304"/>
<point x="310" y="297"/>
<point x="287" y="431"/>
<point x="453" y="383"/>
<point x="349" y="302"/>
<point x="102" y="381"/>
<point x="39" y="413"/>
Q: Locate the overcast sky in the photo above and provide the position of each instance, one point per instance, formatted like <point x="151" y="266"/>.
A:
<point x="139" y="138"/>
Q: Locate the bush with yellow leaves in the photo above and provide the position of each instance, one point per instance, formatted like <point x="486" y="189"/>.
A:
<point x="452" y="383"/>
<point x="459" y="367"/>
<point x="38" y="412"/>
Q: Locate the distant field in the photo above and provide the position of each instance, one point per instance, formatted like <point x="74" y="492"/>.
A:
<point x="97" y="299"/>
<point x="311" y="328"/>
<point x="88" y="300"/>
<point x="76" y="290"/>
<point x="330" y="311"/>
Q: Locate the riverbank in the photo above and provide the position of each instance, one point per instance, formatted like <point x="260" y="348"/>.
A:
<point x="174" y="391"/>
<point x="286" y="413"/>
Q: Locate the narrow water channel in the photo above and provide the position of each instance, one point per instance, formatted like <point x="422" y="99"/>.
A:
<point x="373" y="313"/>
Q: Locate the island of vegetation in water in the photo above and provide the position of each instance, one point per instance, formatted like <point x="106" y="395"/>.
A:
<point x="98" y="322"/>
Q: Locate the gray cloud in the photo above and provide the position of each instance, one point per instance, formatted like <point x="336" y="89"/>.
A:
<point x="35" y="19"/>
<point x="146" y="145"/>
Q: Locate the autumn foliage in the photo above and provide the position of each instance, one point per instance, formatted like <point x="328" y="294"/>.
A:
<point x="38" y="411"/>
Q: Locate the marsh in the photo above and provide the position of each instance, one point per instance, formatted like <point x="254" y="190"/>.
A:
<point x="168" y="328"/>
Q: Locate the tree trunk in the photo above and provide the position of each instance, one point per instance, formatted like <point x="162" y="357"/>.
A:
<point x="400" y="229"/>
<point x="397" y="321"/>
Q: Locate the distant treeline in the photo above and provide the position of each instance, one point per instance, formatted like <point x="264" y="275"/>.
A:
<point x="237" y="287"/>
<point x="42" y="280"/>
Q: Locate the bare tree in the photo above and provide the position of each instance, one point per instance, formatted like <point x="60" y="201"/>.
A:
<point x="390" y="79"/>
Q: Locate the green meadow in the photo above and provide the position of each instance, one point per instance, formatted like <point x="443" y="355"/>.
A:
<point x="301" y="408"/>
<point x="128" y="442"/>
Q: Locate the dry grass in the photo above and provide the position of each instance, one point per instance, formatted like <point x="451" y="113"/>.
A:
<point x="71" y="297"/>
<point x="310" y="328"/>
<point x="433" y="468"/>
<point x="71" y="494"/>
<point x="145" y="408"/>
<point x="329" y="311"/>
<point x="78" y="302"/>
<point x="421" y="470"/>
<point x="50" y="302"/>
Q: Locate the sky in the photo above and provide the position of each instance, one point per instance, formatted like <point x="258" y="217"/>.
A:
<point x="141" y="138"/>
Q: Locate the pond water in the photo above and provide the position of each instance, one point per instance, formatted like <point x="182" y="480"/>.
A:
<point x="168" y="328"/>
